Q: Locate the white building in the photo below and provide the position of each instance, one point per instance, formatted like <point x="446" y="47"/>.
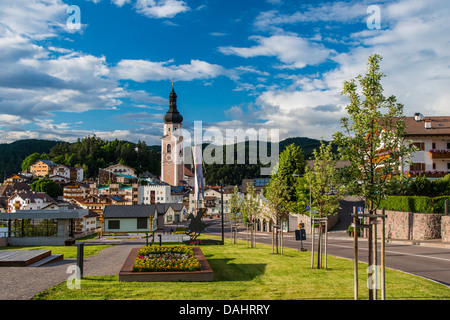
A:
<point x="158" y="193"/>
<point x="431" y="136"/>
<point x="212" y="200"/>
<point x="70" y="173"/>
<point x="31" y="201"/>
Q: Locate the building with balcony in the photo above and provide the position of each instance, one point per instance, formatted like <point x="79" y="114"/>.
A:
<point x="42" y="168"/>
<point x="212" y="200"/>
<point x="431" y="137"/>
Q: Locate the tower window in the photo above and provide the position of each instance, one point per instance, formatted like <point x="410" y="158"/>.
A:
<point x="169" y="148"/>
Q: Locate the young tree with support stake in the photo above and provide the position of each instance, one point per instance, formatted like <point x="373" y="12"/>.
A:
<point x="325" y="190"/>
<point x="251" y="210"/>
<point x="276" y="211"/>
<point x="234" y="206"/>
<point x="373" y="138"/>
<point x="373" y="142"/>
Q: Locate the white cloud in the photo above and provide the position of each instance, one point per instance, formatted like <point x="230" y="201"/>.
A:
<point x="143" y="70"/>
<point x="120" y="3"/>
<point x="293" y="51"/>
<point x="161" y="8"/>
<point x="415" y="49"/>
<point x="33" y="18"/>
<point x="342" y="12"/>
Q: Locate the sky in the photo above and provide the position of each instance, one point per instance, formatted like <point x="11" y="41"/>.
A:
<point x="73" y="68"/>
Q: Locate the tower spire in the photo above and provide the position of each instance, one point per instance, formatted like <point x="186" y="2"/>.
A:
<point x="172" y="115"/>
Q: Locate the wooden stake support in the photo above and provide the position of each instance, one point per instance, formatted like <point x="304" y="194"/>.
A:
<point x="321" y="248"/>
<point x="373" y="220"/>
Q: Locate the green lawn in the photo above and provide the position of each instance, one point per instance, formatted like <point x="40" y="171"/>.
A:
<point x="69" y="252"/>
<point x="257" y="274"/>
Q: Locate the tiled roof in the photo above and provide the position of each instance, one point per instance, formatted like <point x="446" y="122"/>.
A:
<point x="437" y="126"/>
<point x="132" y="211"/>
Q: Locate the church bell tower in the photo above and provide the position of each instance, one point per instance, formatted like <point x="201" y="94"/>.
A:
<point x="172" y="157"/>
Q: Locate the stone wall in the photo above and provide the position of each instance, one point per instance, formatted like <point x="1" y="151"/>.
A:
<point x="397" y="225"/>
<point x="412" y="226"/>
<point x="445" y="228"/>
<point x="426" y="226"/>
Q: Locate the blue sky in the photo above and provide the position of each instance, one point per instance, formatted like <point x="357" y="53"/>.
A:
<point x="277" y="64"/>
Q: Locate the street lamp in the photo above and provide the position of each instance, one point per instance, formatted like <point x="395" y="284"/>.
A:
<point x="221" y="209"/>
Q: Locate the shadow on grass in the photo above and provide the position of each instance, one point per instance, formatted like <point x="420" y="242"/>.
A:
<point x="226" y="271"/>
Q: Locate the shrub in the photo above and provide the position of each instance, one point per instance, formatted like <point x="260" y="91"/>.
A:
<point x="420" y="204"/>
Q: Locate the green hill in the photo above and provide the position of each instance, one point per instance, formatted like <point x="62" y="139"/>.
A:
<point x="93" y="153"/>
<point x="12" y="154"/>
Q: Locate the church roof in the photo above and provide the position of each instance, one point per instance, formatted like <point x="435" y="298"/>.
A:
<point x="172" y="115"/>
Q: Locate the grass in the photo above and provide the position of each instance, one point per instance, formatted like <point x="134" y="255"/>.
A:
<point x="255" y="273"/>
<point x="69" y="252"/>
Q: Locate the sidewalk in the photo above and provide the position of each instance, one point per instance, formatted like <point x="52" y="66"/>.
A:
<point x="22" y="283"/>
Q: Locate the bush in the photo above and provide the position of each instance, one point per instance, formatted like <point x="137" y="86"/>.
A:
<point x="419" y="204"/>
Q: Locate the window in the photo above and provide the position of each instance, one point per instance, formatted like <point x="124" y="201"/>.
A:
<point x="169" y="148"/>
<point x="113" y="224"/>
<point x="419" y="145"/>
<point x="448" y="145"/>
<point x="142" y="223"/>
<point x="433" y="145"/>
<point x="448" y="165"/>
<point x="417" y="167"/>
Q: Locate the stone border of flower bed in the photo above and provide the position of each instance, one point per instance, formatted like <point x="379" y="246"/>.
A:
<point x="205" y="274"/>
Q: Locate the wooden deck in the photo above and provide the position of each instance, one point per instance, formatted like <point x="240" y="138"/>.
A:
<point x="22" y="258"/>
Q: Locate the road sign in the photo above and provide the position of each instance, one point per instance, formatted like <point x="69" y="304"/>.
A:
<point x="300" y="234"/>
<point x="307" y="208"/>
<point x="360" y="210"/>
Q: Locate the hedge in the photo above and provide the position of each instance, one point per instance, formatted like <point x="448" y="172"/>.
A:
<point x="419" y="204"/>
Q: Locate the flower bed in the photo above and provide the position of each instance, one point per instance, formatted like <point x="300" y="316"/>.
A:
<point x="127" y="274"/>
<point x="168" y="258"/>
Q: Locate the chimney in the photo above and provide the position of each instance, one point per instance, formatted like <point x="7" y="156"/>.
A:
<point x="428" y="124"/>
<point x="418" y="116"/>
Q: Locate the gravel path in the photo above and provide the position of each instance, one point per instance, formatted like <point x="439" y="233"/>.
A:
<point x="22" y="283"/>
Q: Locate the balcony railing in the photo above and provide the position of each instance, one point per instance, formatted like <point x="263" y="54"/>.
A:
<point x="429" y="174"/>
<point x="439" y="154"/>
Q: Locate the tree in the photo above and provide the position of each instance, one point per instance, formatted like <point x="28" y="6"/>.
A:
<point x="48" y="186"/>
<point x="325" y="188"/>
<point x="234" y="206"/>
<point x="372" y="141"/>
<point x="292" y="162"/>
<point x="276" y="210"/>
<point x="28" y="161"/>
<point x="250" y="208"/>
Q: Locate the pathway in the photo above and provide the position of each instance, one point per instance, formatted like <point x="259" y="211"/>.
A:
<point x="22" y="283"/>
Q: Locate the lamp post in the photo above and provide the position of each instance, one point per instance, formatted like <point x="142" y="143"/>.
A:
<point x="150" y="226"/>
<point x="102" y="220"/>
<point x="221" y="209"/>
